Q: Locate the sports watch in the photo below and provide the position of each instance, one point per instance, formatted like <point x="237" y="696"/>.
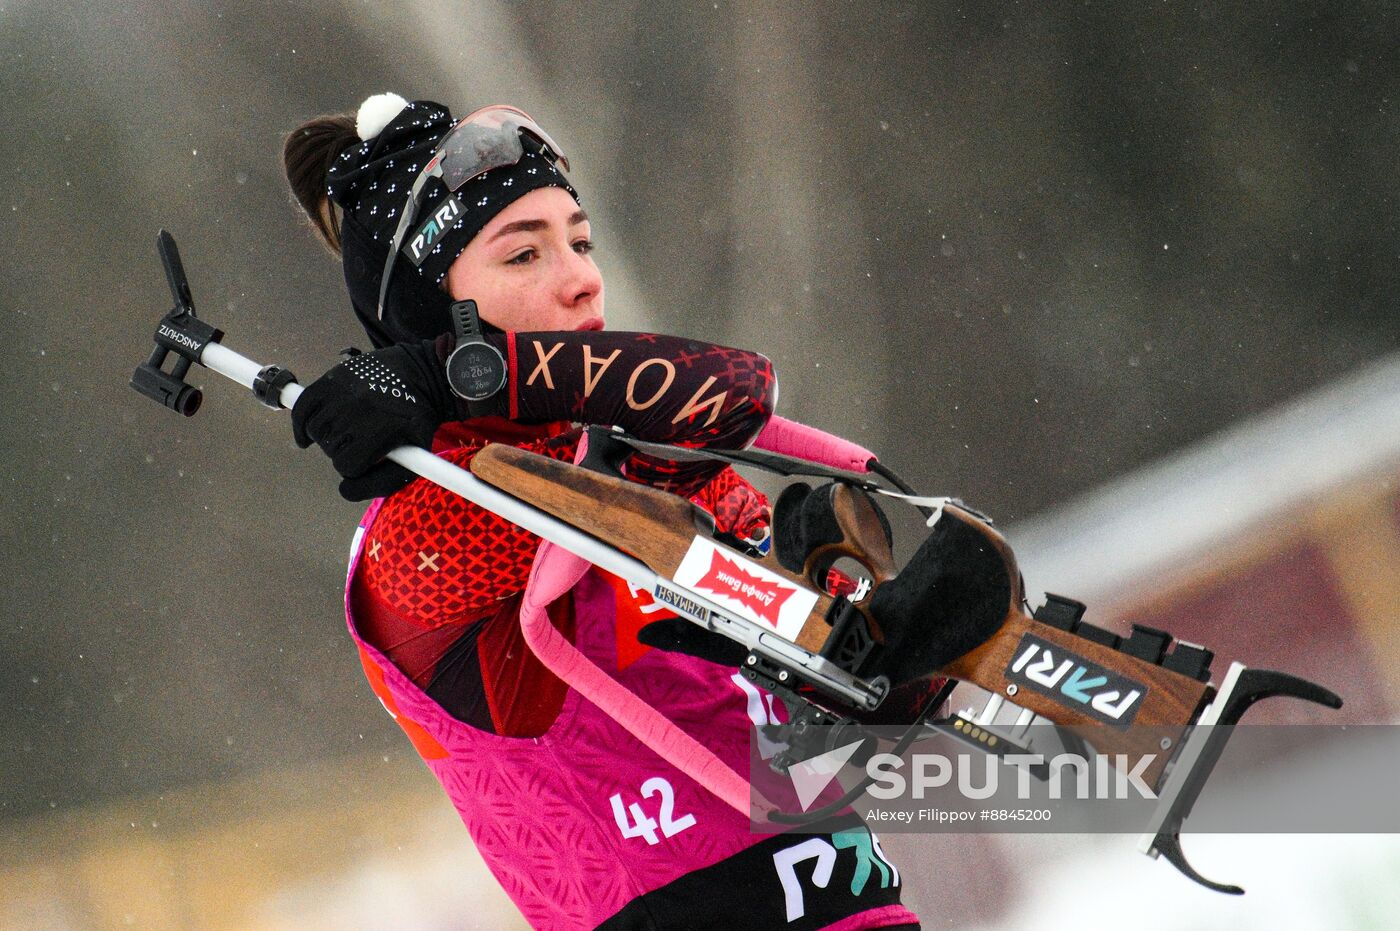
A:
<point x="476" y="370"/>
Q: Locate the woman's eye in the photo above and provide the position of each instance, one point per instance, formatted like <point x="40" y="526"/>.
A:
<point x="583" y="246"/>
<point x="524" y="258"/>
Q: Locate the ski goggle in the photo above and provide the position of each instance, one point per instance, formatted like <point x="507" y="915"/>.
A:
<point x="482" y="140"/>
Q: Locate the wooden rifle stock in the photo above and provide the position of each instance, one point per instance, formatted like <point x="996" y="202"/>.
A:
<point x="657" y="528"/>
<point x="651" y="525"/>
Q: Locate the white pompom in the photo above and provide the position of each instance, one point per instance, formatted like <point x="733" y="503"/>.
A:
<point x="376" y="113"/>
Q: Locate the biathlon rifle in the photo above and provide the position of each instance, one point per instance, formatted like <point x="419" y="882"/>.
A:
<point x="823" y="652"/>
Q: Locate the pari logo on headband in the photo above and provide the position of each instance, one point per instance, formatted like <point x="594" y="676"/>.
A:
<point x="745" y="587"/>
<point x="421" y="243"/>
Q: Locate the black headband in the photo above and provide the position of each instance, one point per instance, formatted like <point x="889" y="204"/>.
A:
<point x="370" y="182"/>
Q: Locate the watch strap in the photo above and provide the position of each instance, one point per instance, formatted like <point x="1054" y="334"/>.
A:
<point x="466" y="324"/>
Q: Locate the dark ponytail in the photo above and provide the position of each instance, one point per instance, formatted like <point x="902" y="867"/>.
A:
<point x="307" y="155"/>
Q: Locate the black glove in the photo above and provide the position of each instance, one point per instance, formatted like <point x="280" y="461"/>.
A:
<point x="951" y="597"/>
<point x="681" y="636"/>
<point x="368" y="405"/>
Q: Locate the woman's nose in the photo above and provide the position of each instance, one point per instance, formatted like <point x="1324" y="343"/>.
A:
<point x="582" y="280"/>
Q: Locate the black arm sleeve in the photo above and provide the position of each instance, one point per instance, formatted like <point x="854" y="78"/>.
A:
<point x="666" y="389"/>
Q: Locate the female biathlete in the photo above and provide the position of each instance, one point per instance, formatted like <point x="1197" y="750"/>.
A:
<point x="582" y="825"/>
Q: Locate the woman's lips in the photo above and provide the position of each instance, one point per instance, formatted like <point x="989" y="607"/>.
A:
<point x="592" y="323"/>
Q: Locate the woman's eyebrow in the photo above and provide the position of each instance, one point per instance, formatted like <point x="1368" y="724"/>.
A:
<point x="520" y="226"/>
<point x="534" y="226"/>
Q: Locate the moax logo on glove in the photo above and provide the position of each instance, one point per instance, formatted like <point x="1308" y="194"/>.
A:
<point x="430" y="232"/>
<point x="394" y="392"/>
<point x="1054" y="671"/>
<point x="746" y="587"/>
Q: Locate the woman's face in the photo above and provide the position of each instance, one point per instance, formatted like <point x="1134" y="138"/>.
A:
<point x="530" y="269"/>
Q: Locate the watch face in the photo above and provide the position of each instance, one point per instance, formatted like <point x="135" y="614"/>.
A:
<point x="476" y="371"/>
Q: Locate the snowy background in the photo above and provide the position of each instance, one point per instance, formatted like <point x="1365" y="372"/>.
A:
<point x="1020" y="250"/>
